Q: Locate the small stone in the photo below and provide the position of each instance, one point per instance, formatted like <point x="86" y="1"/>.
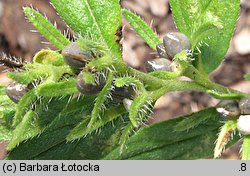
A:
<point x="243" y="124"/>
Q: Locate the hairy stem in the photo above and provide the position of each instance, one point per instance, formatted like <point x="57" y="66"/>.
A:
<point x="161" y="86"/>
<point x="203" y="80"/>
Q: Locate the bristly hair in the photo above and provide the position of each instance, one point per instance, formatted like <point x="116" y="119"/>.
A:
<point x="11" y="61"/>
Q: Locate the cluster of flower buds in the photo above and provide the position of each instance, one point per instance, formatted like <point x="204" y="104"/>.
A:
<point x="77" y="59"/>
<point x="237" y="109"/>
<point x="173" y="43"/>
<point x="74" y="56"/>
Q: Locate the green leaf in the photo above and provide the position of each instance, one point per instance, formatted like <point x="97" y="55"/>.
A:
<point x="209" y="25"/>
<point x="24" y="105"/>
<point x="46" y="28"/>
<point x="246" y="148"/>
<point x="94" y="48"/>
<point x="26" y="129"/>
<point x="165" y="74"/>
<point x="38" y="71"/>
<point x="7" y="111"/>
<point x="148" y="35"/>
<point x="55" y="108"/>
<point x="52" y="144"/>
<point x="82" y="128"/>
<point x="225" y="133"/>
<point x="101" y="64"/>
<point x="193" y="120"/>
<point x="36" y="120"/>
<point x="227" y="96"/>
<point x="5" y="133"/>
<point x="92" y="147"/>
<point x="138" y="110"/>
<point x="130" y="81"/>
<point x="27" y="77"/>
<point x="126" y="133"/>
<point x="93" y="19"/>
<point x="100" y="101"/>
<point x="6" y="105"/>
<point x="58" y="89"/>
<point x="6" y="129"/>
<point x="162" y="141"/>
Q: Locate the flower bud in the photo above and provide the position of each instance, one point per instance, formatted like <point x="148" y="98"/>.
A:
<point x="119" y="93"/>
<point x="74" y="56"/>
<point x="87" y="88"/>
<point x="15" y="91"/>
<point x="175" y="42"/>
<point x="159" y="64"/>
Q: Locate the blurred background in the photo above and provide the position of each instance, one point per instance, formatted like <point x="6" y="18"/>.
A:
<point x="16" y="39"/>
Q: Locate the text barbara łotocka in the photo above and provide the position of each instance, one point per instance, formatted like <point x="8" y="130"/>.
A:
<point x="38" y="167"/>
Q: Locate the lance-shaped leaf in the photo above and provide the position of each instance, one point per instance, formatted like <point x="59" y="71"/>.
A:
<point x="99" y="106"/>
<point x="126" y="133"/>
<point x="61" y="113"/>
<point x="165" y="74"/>
<point x="82" y="128"/>
<point x="36" y="120"/>
<point x="26" y="129"/>
<point x="24" y="105"/>
<point x="161" y="141"/>
<point x="225" y="133"/>
<point x="140" y="109"/>
<point x="52" y="144"/>
<point x="209" y="25"/>
<point x="142" y="28"/>
<point x="228" y="96"/>
<point x="58" y="89"/>
<point x="93" y="19"/>
<point x="49" y="31"/>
